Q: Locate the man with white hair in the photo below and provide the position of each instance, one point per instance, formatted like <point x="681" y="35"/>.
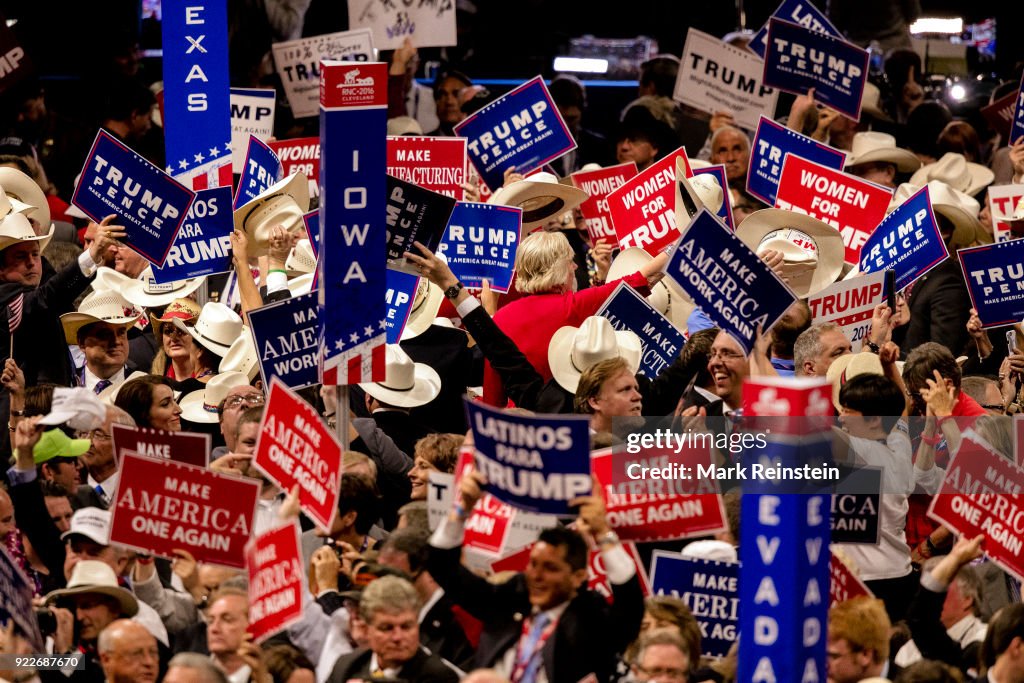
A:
<point x="128" y="653"/>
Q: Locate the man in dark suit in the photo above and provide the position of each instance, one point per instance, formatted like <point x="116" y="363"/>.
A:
<point x="939" y="309"/>
<point x="445" y="350"/>
<point x="390" y="607"/>
<point x="406" y="385"/>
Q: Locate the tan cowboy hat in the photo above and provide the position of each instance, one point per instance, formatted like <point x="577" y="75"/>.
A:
<point x="961" y="210"/>
<point x="301" y="258"/>
<point x="406" y="384"/>
<point x="813" y="251"/>
<point x="404" y="125"/>
<point x="216" y="328"/>
<point x="99" y="307"/>
<point x="696" y="193"/>
<point x="667" y="297"/>
<point x="283" y="203"/>
<point x="184" y="309"/>
<point x="300" y="285"/>
<point x="9" y="204"/>
<point x="870" y="146"/>
<point x="849" y="365"/>
<point x="541" y="197"/>
<point x="241" y="357"/>
<point x="425" y="305"/>
<point x="871" y="103"/>
<point x="574" y="350"/>
<point x="145" y="292"/>
<point x="15" y="228"/>
<point x="201" y="406"/>
<point x="26" y="192"/>
<point x="954" y="170"/>
<point x="93" y="576"/>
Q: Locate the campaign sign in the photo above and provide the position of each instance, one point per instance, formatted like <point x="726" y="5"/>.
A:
<point x="599" y="184"/>
<point x="353" y="241"/>
<point x="856" y="501"/>
<point x="522" y="128"/>
<point x="711" y="591"/>
<point x="301" y="155"/>
<point x="260" y="170"/>
<point x="597" y="578"/>
<point x="772" y="143"/>
<point x="427" y="24"/>
<point x="850" y="304"/>
<point x="983" y="493"/>
<point x="274" y="561"/>
<point x="643" y="209"/>
<point x="727" y="280"/>
<point x="999" y="114"/>
<point x="481" y="242"/>
<point x="995" y="280"/>
<point x="414" y="214"/>
<point x="798" y="59"/>
<point x="15" y="65"/>
<point x="252" y="113"/>
<point x="1017" y="123"/>
<point x="488" y="526"/>
<point x="907" y="240"/>
<point x="16" y="597"/>
<point x="659" y="338"/>
<point x="161" y="506"/>
<point x="285" y="333"/>
<point x="844" y="584"/>
<point x="799" y="12"/>
<point x="725" y="211"/>
<point x="187" y="447"/>
<point x="714" y="76"/>
<point x="437" y="164"/>
<point x="295" y="448"/>
<point x="401" y="295"/>
<point x="785" y="556"/>
<point x="537" y="464"/>
<point x="298" y="64"/>
<point x="1002" y="200"/>
<point x="1018" y="439"/>
<point x="151" y="204"/>
<point x="203" y="245"/>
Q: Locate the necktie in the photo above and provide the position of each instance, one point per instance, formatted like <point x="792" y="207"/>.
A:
<point x="101" y="494"/>
<point x="101" y="385"/>
<point x="529" y="657"/>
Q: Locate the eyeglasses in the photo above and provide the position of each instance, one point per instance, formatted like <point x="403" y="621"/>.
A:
<point x="665" y="672"/>
<point x="98" y="435"/>
<point x="251" y="401"/>
<point x="725" y="355"/>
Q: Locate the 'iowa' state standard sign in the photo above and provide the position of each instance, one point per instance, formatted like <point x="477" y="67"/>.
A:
<point x="353" y="231"/>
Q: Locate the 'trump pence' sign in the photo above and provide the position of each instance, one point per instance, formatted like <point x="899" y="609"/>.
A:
<point x="772" y="143"/>
<point x="995" y="279"/>
<point x="908" y="241"/>
<point x="481" y="242"/>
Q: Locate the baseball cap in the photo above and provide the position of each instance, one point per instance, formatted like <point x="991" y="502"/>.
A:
<point x="93" y="523"/>
<point x="57" y="444"/>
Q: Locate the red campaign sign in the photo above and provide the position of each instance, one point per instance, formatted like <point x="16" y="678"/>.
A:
<point x="1018" y="439"/>
<point x="852" y="206"/>
<point x="357" y="85"/>
<point x="788" y="405"/>
<point x="599" y="184"/>
<point x="187" y="447"/>
<point x="982" y="494"/>
<point x="161" y="506"/>
<point x="1002" y="200"/>
<point x="275" y="581"/>
<point x="489" y="524"/>
<point x="643" y="208"/>
<point x="999" y="114"/>
<point x="295" y="447"/>
<point x="597" y="579"/>
<point x="301" y="155"/>
<point x="436" y="164"/>
<point x="844" y="584"/>
<point x="688" y="507"/>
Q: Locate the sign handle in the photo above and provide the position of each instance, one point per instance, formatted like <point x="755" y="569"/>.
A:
<point x="342" y="423"/>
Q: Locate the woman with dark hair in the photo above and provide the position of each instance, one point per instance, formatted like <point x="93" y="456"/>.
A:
<point x="150" y="401"/>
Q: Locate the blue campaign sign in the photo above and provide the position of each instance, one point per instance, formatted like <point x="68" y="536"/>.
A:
<point x="262" y="169"/>
<point x="725" y="211"/>
<point x="995" y="279"/>
<point x="536" y="463"/>
<point x="659" y="338"/>
<point x="1017" y="124"/>
<point x="711" y="591"/>
<point x="285" y="334"/>
<point x="908" y="241"/>
<point x="481" y="243"/>
<point x="401" y="294"/>
<point x="799" y="12"/>
<point x="522" y="128"/>
<point x="798" y="59"/>
<point x="727" y="280"/>
<point x="414" y="214"/>
<point x="151" y="204"/>
<point x="785" y="556"/>
<point x="772" y="143"/>
<point x="312" y="222"/>
<point x="203" y="246"/>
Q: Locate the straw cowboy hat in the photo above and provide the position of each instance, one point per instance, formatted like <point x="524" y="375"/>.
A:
<point x="694" y="194"/>
<point x="201" y="406"/>
<point x="9" y="204"/>
<point x="26" y="194"/>
<point x="961" y="210"/>
<point x="182" y="309"/>
<point x="541" y="197"/>
<point x="574" y="350"/>
<point x="95" y="577"/>
<point x="99" y="307"/>
<point x="667" y="297"/>
<point x="425" y="305"/>
<point x="241" y="357"/>
<point x="954" y="170"/>
<point x="301" y="258"/>
<point x="846" y="367"/>
<point x="406" y="384"/>
<point x="870" y="146"/>
<point x="813" y="251"/>
<point x="283" y="203"/>
<point x="871" y="103"/>
<point x="145" y="292"/>
<point x="1016" y="219"/>
<point x="216" y="328"/>
<point x="15" y="228"/>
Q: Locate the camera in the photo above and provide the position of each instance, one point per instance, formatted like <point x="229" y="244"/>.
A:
<point x="47" y="621"/>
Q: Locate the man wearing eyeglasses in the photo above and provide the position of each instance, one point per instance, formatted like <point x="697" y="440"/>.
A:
<point x="98" y="491"/>
<point x="237" y="400"/>
<point x="662" y="658"/>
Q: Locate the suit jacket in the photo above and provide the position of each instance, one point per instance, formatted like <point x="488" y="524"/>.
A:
<point x="444" y="349"/>
<point x="34" y="522"/>
<point x="86" y="497"/>
<point x="422" y="668"/>
<point x="939" y="309"/>
<point x="589" y="633"/>
<point x="441" y="633"/>
<point x="930" y="635"/>
<point x="403" y="429"/>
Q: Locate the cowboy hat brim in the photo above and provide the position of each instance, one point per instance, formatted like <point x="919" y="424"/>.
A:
<point x="109" y="395"/>
<point x="849" y="365"/>
<point x="300" y="285"/>
<point x="215" y="347"/>
<point x="19" y="186"/>
<point x="128" y="602"/>
<point x="905" y="160"/>
<point x="15" y="229"/>
<point x="967" y="229"/>
<point x="73" y="322"/>
<point x="560" y="355"/>
<point x="426" y="387"/>
<point x="295" y="186"/>
<point x="980" y="178"/>
<point x="422" y="317"/>
<point x="540" y="201"/>
<point x="134" y="290"/>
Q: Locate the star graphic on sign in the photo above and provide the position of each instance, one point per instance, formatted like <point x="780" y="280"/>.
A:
<point x="214" y="151"/>
<point x="182" y="164"/>
<point x="354" y="337"/>
<point x="168" y="170"/>
<point x="368" y="331"/>
<point x="340" y="345"/>
<point x="198" y="156"/>
<point x="383" y="324"/>
<point x="227" y="146"/>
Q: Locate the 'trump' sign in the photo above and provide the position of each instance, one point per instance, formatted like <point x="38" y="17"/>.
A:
<point x="908" y="241"/>
<point x="995" y="279"/>
<point x="298" y="64"/>
<point x="772" y="143"/>
<point x="643" y="208"/>
<point x="850" y="304"/>
<point x="481" y="242"/>
<point x="599" y="184"/>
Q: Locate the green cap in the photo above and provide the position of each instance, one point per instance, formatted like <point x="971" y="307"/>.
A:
<point x="57" y="444"/>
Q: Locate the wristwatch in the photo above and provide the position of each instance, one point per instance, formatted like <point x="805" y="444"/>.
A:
<point x="453" y="291"/>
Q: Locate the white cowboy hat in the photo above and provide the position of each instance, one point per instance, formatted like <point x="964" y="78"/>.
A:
<point x="426" y="303"/>
<point x="404" y="125"/>
<point x="961" y="210"/>
<point x="15" y="228"/>
<point x="813" y="251"/>
<point x="28" y="195"/>
<point x="216" y="328"/>
<point x="99" y="307"/>
<point x="406" y="384"/>
<point x="541" y="197"/>
<point x="871" y="146"/>
<point x="696" y="193"/>
<point x="300" y="285"/>
<point x="667" y="297"/>
<point x="283" y="203"/>
<point x="10" y="204"/>
<point x="954" y="170"/>
<point x="145" y="292"/>
<point x="241" y="357"/>
<point x="201" y="406"/>
<point x="870" y="103"/>
<point x="301" y="258"/>
<point x="574" y="350"/>
<point x="849" y="365"/>
<point x="93" y="576"/>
